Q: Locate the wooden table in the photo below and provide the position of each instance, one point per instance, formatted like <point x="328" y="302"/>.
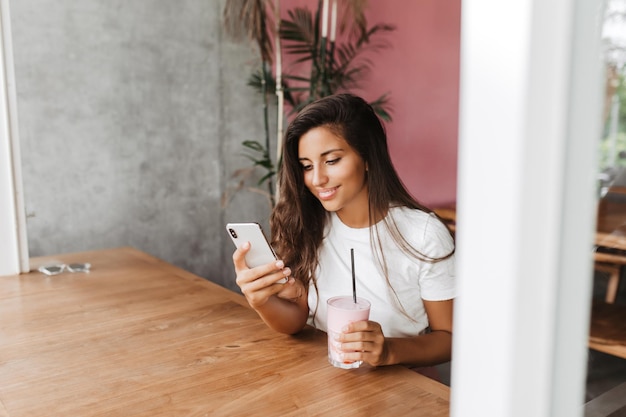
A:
<point x="139" y="337"/>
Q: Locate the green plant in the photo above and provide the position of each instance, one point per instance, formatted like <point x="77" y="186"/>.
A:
<point x="251" y="18"/>
<point x="333" y="66"/>
<point x="322" y="64"/>
<point x="613" y="143"/>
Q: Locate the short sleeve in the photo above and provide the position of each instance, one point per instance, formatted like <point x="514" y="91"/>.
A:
<point x="438" y="277"/>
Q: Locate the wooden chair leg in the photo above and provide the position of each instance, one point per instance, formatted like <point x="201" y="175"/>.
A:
<point x="613" y="284"/>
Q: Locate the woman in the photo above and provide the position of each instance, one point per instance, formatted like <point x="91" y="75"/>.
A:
<point x="340" y="191"/>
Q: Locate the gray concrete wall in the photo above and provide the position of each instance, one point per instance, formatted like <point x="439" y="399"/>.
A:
<point x="131" y="115"/>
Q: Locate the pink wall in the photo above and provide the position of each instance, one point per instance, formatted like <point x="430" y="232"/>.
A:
<point x="421" y="73"/>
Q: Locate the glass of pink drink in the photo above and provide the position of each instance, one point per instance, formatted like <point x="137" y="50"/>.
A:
<point x="341" y="311"/>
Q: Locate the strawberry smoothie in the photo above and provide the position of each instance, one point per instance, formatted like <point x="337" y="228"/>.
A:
<point x="341" y="311"/>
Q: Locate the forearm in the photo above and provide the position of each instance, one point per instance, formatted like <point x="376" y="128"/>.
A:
<point x="284" y="316"/>
<point x="425" y="350"/>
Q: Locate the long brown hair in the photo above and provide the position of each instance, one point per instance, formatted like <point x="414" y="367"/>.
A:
<point x="298" y="220"/>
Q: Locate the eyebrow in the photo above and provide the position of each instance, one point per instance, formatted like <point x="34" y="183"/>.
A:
<point x="322" y="154"/>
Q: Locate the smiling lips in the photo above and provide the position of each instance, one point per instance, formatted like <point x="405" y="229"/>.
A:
<point x="327" y="193"/>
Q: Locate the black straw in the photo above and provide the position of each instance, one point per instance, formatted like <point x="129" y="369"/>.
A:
<point x="353" y="276"/>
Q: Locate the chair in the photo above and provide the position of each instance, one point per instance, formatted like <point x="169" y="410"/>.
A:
<point x="607" y="331"/>
<point x="611" y="260"/>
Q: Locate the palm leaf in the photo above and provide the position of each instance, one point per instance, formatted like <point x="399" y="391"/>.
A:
<point x="380" y="106"/>
<point x="353" y="16"/>
<point x="256" y="82"/>
<point x="253" y="20"/>
<point x="299" y="35"/>
<point x="260" y="157"/>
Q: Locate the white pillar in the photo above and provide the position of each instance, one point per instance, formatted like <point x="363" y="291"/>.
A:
<point x="13" y="242"/>
<point x="530" y="112"/>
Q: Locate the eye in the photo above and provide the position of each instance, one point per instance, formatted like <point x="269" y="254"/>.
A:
<point x="333" y="161"/>
<point x="306" y="167"/>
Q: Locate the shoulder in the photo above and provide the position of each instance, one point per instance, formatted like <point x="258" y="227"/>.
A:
<point x="414" y="218"/>
<point x="423" y="230"/>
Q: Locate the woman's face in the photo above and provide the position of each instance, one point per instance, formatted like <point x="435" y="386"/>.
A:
<point x="335" y="174"/>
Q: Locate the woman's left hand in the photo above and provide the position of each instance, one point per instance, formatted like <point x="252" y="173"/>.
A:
<point x="364" y="341"/>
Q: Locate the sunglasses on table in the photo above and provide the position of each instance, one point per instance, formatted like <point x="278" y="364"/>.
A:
<point x="59" y="268"/>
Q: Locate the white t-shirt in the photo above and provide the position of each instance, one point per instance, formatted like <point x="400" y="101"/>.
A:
<point x="411" y="279"/>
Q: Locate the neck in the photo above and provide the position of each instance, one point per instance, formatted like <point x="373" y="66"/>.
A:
<point x="361" y="219"/>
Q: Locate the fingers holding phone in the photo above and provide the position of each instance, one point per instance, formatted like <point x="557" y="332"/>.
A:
<point x="258" y="250"/>
<point x="260" y="283"/>
<point x="292" y="290"/>
<point x="259" y="273"/>
<point x="273" y="272"/>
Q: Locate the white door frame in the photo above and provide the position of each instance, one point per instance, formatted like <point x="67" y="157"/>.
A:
<point x="13" y="240"/>
<point x="530" y="111"/>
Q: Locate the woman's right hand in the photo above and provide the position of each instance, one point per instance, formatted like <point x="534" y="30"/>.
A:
<point x="260" y="283"/>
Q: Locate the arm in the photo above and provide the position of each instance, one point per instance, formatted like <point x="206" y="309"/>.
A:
<point x="283" y="307"/>
<point x="371" y="346"/>
<point x="429" y="349"/>
<point x="285" y="315"/>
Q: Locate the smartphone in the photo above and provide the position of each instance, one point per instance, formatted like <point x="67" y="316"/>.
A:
<point x="260" y="252"/>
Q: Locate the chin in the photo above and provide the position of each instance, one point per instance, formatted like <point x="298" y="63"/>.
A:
<point x="330" y="206"/>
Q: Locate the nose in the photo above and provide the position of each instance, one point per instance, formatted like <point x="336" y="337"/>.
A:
<point x="319" y="177"/>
